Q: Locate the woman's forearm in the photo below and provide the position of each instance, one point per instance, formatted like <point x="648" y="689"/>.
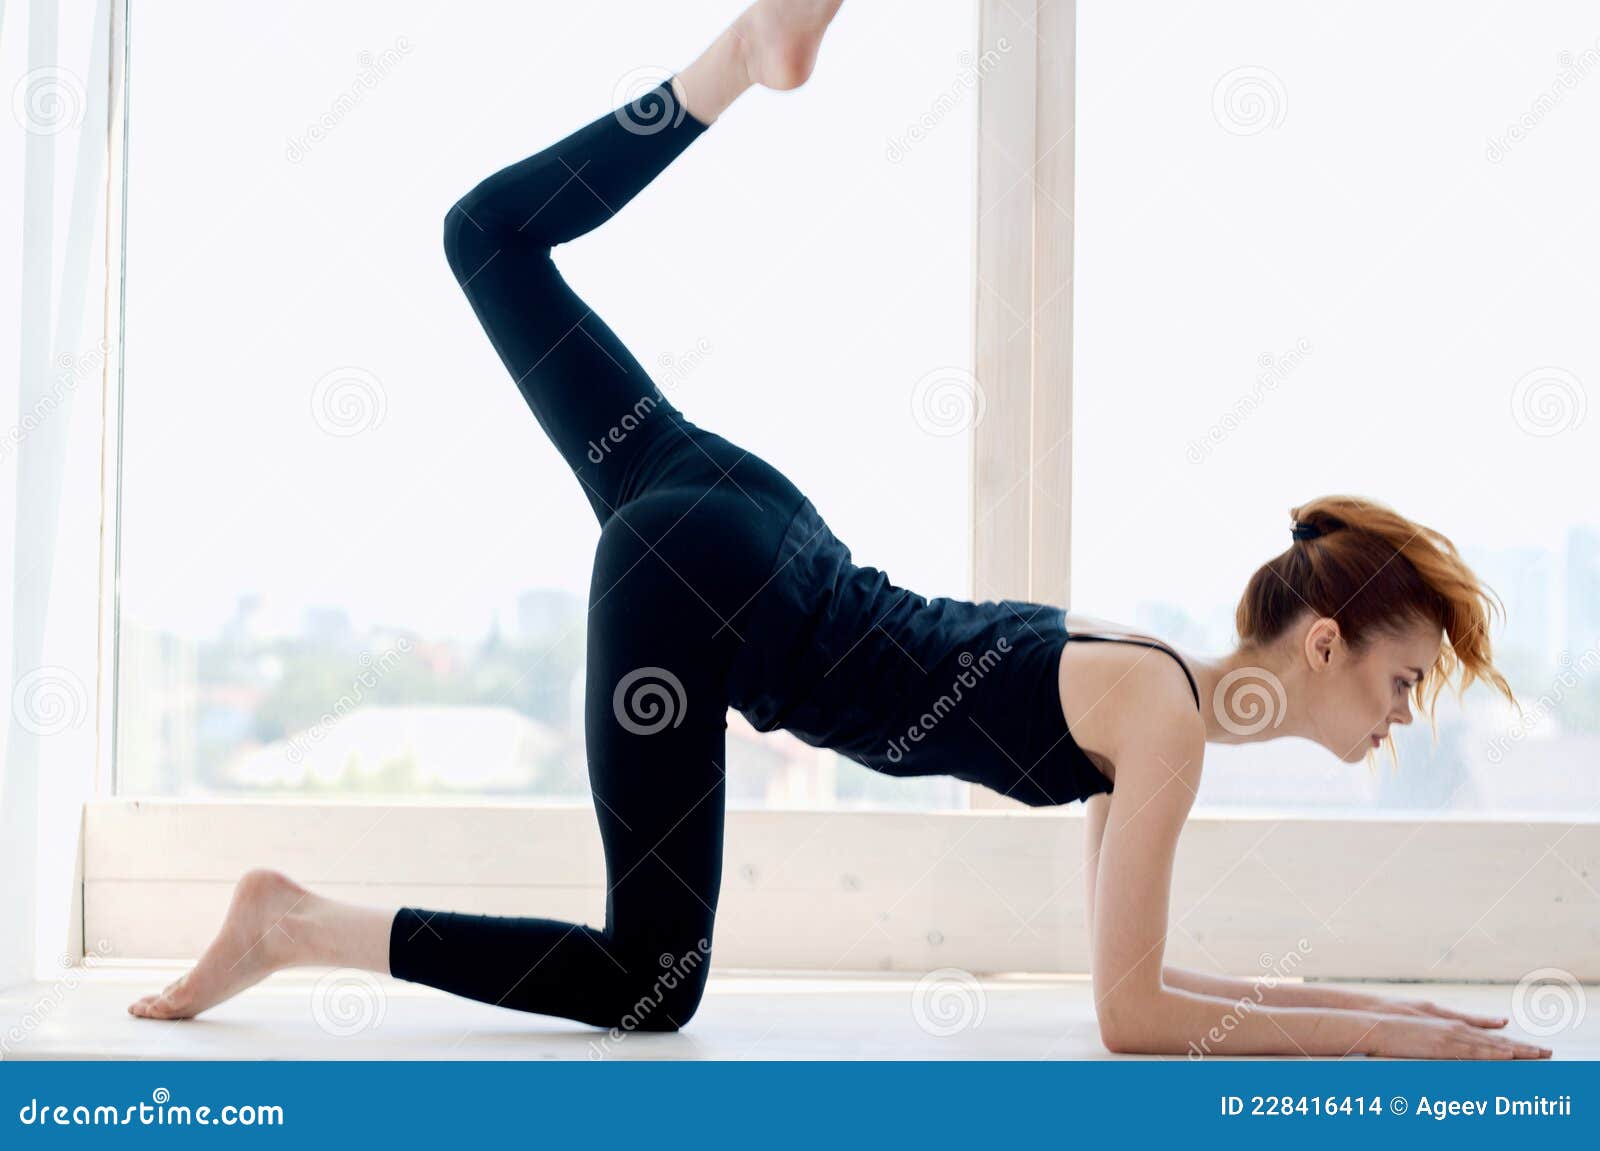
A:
<point x="1276" y="993"/>
<point x="1178" y="1022"/>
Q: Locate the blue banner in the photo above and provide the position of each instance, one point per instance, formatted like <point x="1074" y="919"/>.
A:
<point x="800" y="1105"/>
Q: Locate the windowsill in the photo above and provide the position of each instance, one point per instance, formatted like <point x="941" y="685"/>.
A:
<point x="745" y="1015"/>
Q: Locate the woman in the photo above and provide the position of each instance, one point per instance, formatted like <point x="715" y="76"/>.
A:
<point x="716" y="583"/>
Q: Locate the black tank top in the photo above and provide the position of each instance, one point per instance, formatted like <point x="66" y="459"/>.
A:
<point x="842" y="658"/>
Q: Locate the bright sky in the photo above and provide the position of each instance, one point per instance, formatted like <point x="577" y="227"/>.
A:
<point x="1251" y="176"/>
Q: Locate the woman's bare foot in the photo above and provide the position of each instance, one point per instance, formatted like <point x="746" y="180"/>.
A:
<point x="772" y="43"/>
<point x="780" y="38"/>
<point x="269" y="926"/>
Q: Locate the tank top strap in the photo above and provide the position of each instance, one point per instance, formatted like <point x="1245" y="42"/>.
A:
<point x="1089" y="635"/>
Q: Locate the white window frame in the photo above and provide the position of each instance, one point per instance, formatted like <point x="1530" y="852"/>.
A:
<point x="996" y="888"/>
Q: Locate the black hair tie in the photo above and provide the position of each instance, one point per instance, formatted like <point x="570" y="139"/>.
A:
<point x="1305" y="531"/>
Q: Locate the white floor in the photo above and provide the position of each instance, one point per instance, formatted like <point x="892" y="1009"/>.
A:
<point x="310" y="1013"/>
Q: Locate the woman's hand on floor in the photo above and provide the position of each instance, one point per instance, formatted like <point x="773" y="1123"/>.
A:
<point x="1400" y="1037"/>
<point x="1425" y="1007"/>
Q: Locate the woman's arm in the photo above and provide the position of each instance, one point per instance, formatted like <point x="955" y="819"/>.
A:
<point x="1137" y="828"/>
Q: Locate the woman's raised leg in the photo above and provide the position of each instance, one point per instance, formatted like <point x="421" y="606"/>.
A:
<point x="662" y="873"/>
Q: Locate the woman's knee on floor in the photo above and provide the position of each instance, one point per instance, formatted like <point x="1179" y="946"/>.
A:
<point x="663" y="990"/>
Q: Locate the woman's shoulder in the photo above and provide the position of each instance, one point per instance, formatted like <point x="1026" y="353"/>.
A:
<point x="1115" y="695"/>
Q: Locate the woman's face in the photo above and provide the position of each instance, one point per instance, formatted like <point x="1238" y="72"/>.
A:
<point x="1360" y="697"/>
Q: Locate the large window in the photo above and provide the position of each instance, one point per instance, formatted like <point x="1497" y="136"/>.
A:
<point x="1342" y="264"/>
<point x="350" y="562"/>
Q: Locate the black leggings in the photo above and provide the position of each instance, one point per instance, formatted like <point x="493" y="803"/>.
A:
<point x="691" y="525"/>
